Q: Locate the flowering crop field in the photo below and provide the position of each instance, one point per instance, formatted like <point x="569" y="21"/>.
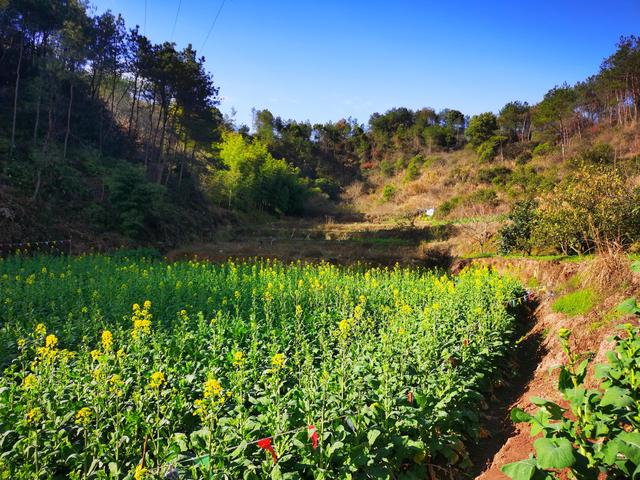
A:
<point x="116" y="367"/>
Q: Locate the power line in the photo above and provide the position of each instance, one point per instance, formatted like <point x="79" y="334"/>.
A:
<point x="173" y="30"/>
<point x="213" y="24"/>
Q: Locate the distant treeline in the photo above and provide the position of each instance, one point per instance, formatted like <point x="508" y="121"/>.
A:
<point x="127" y="133"/>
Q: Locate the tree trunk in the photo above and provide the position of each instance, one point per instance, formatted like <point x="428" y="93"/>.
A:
<point x="15" y="99"/>
<point x="37" y="122"/>
<point x="133" y="103"/>
<point x="66" y="136"/>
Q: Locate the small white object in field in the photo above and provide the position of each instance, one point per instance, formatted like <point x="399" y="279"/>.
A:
<point x="430" y="211"/>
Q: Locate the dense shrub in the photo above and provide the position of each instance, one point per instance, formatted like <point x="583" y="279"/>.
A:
<point x="542" y="149"/>
<point x="488" y="150"/>
<point x="254" y="179"/>
<point x="482" y="196"/>
<point x="136" y="202"/>
<point x="601" y="153"/>
<point x="413" y="168"/>
<point x="448" y="206"/>
<point x="516" y="235"/>
<point x="329" y="187"/>
<point x="494" y="175"/>
<point x="591" y="208"/>
<point x="388" y="192"/>
<point x="387" y="168"/>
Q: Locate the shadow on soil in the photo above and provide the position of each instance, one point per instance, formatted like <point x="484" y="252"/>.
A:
<point x="517" y="375"/>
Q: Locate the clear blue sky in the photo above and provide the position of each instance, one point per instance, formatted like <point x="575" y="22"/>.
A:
<point x="328" y="59"/>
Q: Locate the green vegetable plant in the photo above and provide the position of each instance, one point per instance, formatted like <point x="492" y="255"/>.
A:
<point x="597" y="433"/>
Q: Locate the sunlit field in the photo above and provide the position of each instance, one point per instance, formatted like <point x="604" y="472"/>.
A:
<point x="117" y="367"/>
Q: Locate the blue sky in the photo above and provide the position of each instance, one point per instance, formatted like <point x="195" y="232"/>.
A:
<point x="329" y="59"/>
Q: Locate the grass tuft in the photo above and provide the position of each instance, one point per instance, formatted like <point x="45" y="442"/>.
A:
<point x="575" y="303"/>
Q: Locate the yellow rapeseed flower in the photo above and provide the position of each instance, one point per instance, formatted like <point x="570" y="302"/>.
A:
<point x="51" y="341"/>
<point x="140" y="472"/>
<point x="116" y="384"/>
<point x="83" y="417"/>
<point x="238" y="359"/>
<point x="34" y="415"/>
<point x="212" y="388"/>
<point x="41" y="330"/>
<point x="107" y="341"/>
<point x="157" y="379"/>
<point x="30" y="381"/>
<point x="278" y="360"/>
<point x="95" y="354"/>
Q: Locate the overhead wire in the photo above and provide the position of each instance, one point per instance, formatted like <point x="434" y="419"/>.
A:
<point x="175" y="21"/>
<point x="213" y="24"/>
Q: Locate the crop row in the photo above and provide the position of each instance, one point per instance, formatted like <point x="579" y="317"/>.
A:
<point x="117" y="367"/>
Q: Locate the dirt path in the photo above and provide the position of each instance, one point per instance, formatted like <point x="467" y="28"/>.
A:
<point x="498" y="428"/>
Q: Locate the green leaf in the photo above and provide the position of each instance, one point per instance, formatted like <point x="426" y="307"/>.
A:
<point x="522" y="470"/>
<point x="372" y="435"/>
<point x="630" y="446"/>
<point x="518" y="415"/>
<point x="564" y="380"/>
<point x="616" y="396"/>
<point x="554" y="452"/>
<point x="629" y="307"/>
<point x="635" y="266"/>
<point x="554" y="409"/>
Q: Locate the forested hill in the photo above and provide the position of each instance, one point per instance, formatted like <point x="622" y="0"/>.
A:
<point x="104" y="133"/>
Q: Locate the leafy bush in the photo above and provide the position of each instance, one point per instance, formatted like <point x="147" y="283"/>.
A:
<point x="523" y="158"/>
<point x="482" y="196"/>
<point x="601" y="153"/>
<point x="542" y="149"/>
<point x="598" y="435"/>
<point x="329" y="187"/>
<point x="446" y="207"/>
<point x="516" y="236"/>
<point x="388" y="192"/>
<point x="413" y="168"/>
<point x="253" y="179"/>
<point x="481" y="128"/>
<point x="494" y="175"/>
<point x="488" y="149"/>
<point x="575" y="303"/>
<point x="588" y="209"/>
<point x="136" y="202"/>
<point x="387" y="168"/>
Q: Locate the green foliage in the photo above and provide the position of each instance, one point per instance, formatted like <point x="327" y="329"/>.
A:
<point x="329" y="187"/>
<point x="390" y="365"/>
<point x="597" y="435"/>
<point x="413" y="168"/>
<point x="576" y="303"/>
<point x="589" y="208"/>
<point x="388" y="192"/>
<point x="387" y="168"/>
<point x="481" y="196"/>
<point x="488" y="149"/>
<point x="599" y="154"/>
<point x="494" y="175"/>
<point x="446" y="207"/>
<point x="481" y="129"/>
<point x="516" y="235"/>
<point x="136" y="202"/>
<point x="542" y="149"/>
<point x="254" y="179"/>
